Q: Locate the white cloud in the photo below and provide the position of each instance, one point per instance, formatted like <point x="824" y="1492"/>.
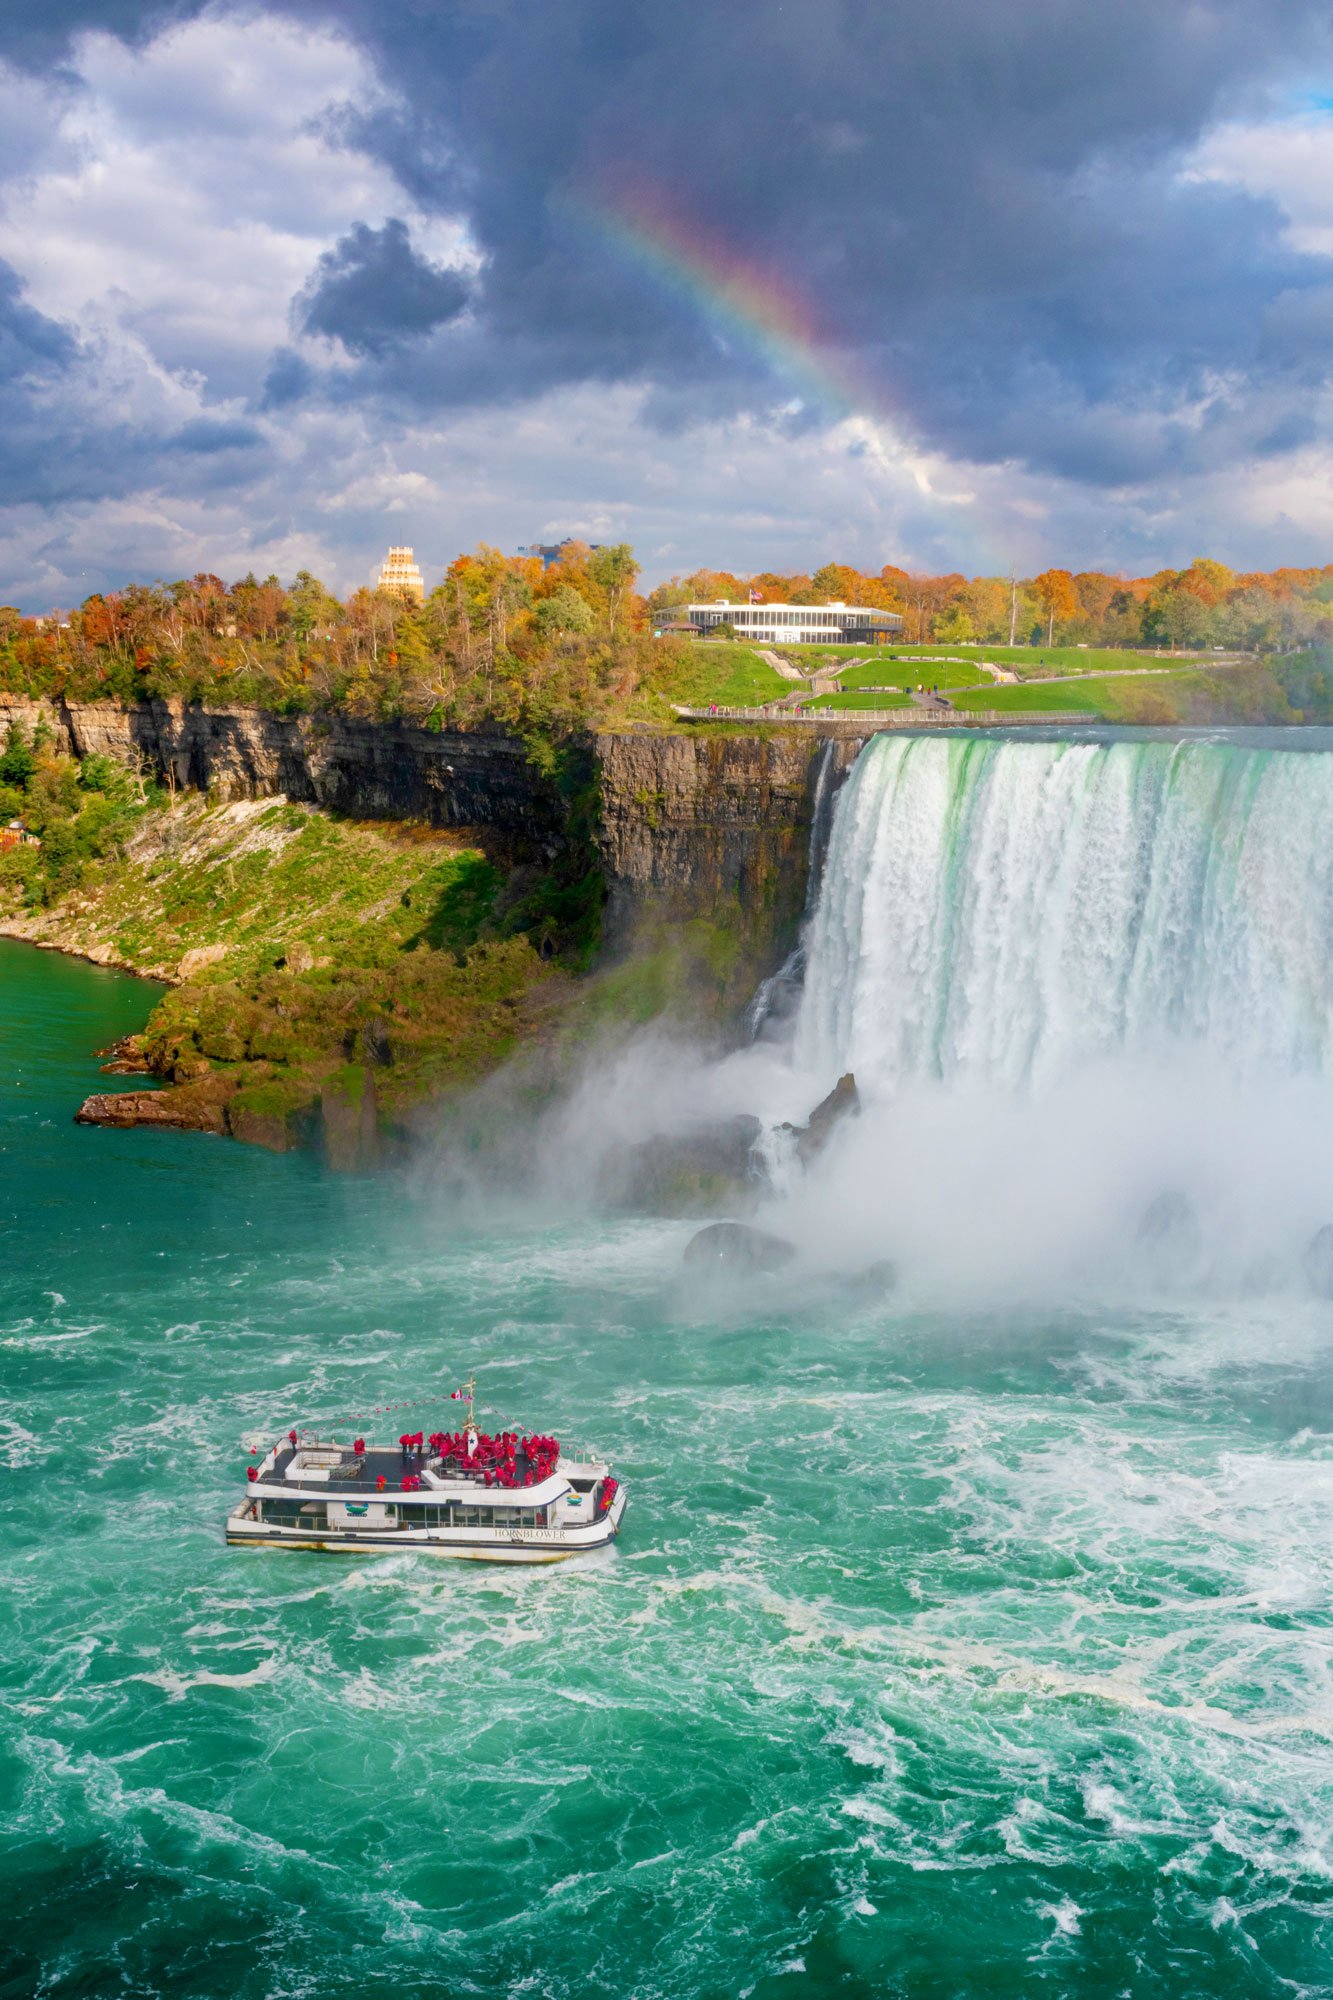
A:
<point x="733" y="495"/>
<point x="1288" y="161"/>
<point x="168" y="201"/>
<point x="184" y="191"/>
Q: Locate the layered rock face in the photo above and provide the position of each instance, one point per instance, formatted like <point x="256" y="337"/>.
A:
<point x="694" y="824"/>
<point x="368" y="770"/>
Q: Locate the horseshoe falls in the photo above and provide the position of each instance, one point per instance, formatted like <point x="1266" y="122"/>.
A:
<point x="968" y="1639"/>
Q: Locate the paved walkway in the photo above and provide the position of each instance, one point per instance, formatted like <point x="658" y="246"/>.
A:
<point x="866" y="721"/>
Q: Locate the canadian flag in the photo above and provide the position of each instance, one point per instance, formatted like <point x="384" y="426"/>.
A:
<point x="458" y="1395"/>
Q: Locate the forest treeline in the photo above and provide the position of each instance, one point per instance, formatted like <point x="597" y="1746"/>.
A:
<point x="1204" y="605"/>
<point x="501" y="637"/>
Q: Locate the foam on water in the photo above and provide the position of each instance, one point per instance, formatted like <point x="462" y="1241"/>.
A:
<point x="956" y="1643"/>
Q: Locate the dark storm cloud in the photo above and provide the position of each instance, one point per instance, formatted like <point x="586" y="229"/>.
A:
<point x="37" y="37"/>
<point x="208" y="435"/>
<point x="35" y="353"/>
<point x="981" y="204"/>
<point x="372" y="291"/>
<point x="49" y="456"/>
<point x="29" y="342"/>
<point x="289" y="380"/>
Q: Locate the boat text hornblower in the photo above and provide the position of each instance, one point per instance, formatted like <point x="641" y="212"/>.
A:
<point x="507" y="1497"/>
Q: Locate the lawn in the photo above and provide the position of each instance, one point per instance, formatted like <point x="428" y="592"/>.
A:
<point x="732" y="676"/>
<point x="1114" y="700"/>
<point x="1093" y="696"/>
<point x="810" y="656"/>
<point x="1188" y="694"/>
<point x="874" y="699"/>
<point x="1047" y="659"/>
<point x="902" y="674"/>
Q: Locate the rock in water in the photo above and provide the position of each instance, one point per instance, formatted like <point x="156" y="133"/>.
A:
<point x="1319" y="1261"/>
<point x="126" y="1057"/>
<point x="1167" y="1214"/>
<point x="704" y="1168"/>
<point x="843" y="1101"/>
<point x="875" y="1282"/>
<point x="185" y="1109"/>
<point x="735" y="1246"/>
<point x="1169" y="1238"/>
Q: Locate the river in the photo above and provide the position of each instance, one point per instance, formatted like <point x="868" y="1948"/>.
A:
<point x="975" y="1641"/>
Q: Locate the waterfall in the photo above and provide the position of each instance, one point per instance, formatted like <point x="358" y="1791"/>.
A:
<point x="778" y="996"/>
<point x="999" y="913"/>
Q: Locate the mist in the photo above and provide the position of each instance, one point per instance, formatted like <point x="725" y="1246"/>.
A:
<point x="1086" y="991"/>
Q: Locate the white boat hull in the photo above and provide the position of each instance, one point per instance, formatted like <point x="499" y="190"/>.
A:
<point x="520" y="1545"/>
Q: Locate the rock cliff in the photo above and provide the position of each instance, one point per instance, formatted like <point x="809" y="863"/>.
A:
<point x="693" y="825"/>
<point x="365" y="769"/>
<point x="698" y="823"/>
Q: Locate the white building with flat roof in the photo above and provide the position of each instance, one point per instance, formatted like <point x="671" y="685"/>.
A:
<point x="795" y="624"/>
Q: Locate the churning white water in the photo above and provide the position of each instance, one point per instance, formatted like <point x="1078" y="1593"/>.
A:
<point x="1073" y="979"/>
<point x="998" y="912"/>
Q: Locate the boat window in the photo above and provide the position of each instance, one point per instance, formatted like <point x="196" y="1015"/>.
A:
<point x="294" y="1513"/>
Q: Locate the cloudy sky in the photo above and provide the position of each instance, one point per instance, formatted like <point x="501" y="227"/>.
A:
<point x="750" y="282"/>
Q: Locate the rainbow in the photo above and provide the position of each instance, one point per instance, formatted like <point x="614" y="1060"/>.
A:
<point x="740" y="298"/>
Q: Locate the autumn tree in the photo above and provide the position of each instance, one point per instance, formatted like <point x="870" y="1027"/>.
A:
<point x="838" y="582"/>
<point x="927" y="597"/>
<point x="774" y="588"/>
<point x="1211" y="582"/>
<point x="1054" y="591"/>
<point x="613" y="571"/>
<point x="985" y="604"/>
<point x="672" y="595"/>
<point x="1180" y="617"/>
<point x="1095" y="592"/>
<point x="562" y="613"/>
<point x="258" y="608"/>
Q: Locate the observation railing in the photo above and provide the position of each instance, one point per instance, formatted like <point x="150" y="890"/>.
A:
<point x="898" y="718"/>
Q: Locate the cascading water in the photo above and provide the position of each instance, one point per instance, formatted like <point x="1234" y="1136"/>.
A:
<point x="999" y="913"/>
<point x="1085" y="988"/>
<point x="778" y="996"/>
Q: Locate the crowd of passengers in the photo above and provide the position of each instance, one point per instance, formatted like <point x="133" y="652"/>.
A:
<point x="506" y="1459"/>
<point x="496" y="1459"/>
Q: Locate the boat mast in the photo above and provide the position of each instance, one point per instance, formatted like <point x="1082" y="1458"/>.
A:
<point x="470" y="1391"/>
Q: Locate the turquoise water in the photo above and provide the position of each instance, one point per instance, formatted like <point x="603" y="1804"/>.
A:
<point x="945" y="1653"/>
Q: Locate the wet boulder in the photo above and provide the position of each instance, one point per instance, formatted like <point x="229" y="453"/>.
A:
<point x="843" y="1101"/>
<point x="680" y="1173"/>
<point x="1169" y="1214"/>
<point x="1170" y="1241"/>
<point x="876" y="1281"/>
<point x="736" y="1246"/>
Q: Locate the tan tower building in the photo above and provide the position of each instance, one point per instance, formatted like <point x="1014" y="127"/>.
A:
<point x="400" y="575"/>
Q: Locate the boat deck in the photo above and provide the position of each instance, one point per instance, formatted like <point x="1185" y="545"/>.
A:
<point x="359" y="1475"/>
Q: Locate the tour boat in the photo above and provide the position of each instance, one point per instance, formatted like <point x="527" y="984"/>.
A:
<point x="506" y="1497"/>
